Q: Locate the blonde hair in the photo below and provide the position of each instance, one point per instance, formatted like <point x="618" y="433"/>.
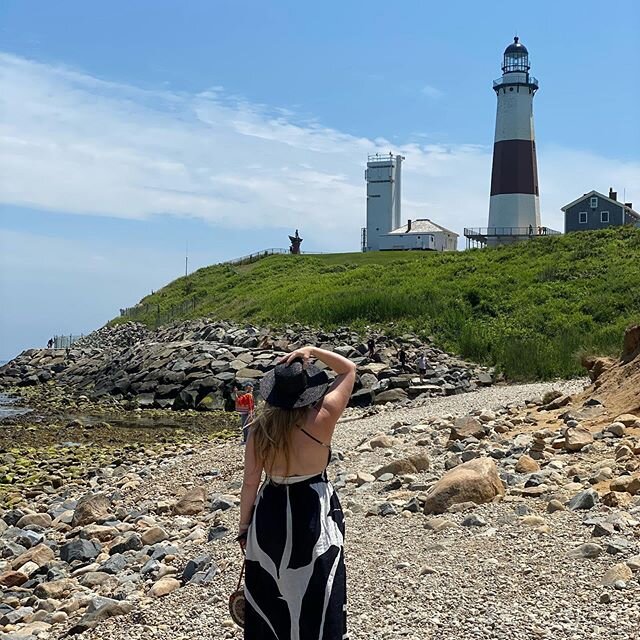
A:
<point x="272" y="433"/>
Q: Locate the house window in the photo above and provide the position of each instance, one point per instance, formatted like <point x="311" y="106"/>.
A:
<point x="593" y="202"/>
<point x="582" y="217"/>
<point x="604" y="216"/>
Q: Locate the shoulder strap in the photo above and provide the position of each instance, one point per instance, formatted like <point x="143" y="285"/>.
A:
<point x="306" y="433"/>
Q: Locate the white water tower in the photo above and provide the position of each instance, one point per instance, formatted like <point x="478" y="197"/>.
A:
<point x="383" y="176"/>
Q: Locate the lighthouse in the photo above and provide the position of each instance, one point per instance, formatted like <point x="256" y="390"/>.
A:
<point x="514" y="202"/>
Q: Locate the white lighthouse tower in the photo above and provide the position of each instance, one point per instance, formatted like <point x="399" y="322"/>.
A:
<point x="384" y="197"/>
<point x="514" y="202"/>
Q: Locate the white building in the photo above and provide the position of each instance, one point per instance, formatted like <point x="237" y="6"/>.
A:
<point x="383" y="231"/>
<point x="419" y="234"/>
<point x="383" y="176"/>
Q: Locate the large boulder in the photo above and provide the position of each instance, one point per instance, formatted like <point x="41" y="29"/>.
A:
<point x="474" y="481"/>
<point x="362" y="398"/>
<point x="627" y="419"/>
<point x="91" y="508"/>
<point x="577" y="438"/>
<point x="390" y="395"/>
<point x="191" y="503"/>
<point x="79" y="549"/>
<point x="467" y="428"/>
<point x="41" y="554"/>
<point x="410" y="464"/>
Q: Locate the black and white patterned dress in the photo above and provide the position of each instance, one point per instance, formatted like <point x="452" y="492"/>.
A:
<point x="295" y="580"/>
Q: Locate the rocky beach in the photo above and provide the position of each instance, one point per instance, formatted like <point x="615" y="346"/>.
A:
<point x="475" y="509"/>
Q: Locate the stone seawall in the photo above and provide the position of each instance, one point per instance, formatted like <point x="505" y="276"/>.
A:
<point x="192" y="365"/>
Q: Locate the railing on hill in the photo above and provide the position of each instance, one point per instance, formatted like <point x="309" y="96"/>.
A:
<point x="64" y="342"/>
<point x="254" y="257"/>
<point x="489" y="232"/>
<point x="158" y="315"/>
<point x="258" y="255"/>
<point x="482" y="236"/>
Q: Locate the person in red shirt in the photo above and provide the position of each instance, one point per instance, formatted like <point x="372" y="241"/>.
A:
<point x="245" y="407"/>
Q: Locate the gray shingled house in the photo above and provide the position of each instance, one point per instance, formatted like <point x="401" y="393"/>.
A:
<point x="596" y="211"/>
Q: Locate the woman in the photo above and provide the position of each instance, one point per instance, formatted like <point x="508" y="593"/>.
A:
<point x="293" y="527"/>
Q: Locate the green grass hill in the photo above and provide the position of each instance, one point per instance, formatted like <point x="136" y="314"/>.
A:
<point x="531" y="310"/>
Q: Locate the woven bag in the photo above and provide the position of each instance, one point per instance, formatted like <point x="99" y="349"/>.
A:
<point x="237" y="601"/>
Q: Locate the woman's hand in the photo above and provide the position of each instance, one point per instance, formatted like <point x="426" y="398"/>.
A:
<point x="242" y="537"/>
<point x="304" y="354"/>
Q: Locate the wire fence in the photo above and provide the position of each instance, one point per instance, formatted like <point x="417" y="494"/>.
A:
<point x="254" y="257"/>
<point x="158" y="315"/>
<point x="64" y="342"/>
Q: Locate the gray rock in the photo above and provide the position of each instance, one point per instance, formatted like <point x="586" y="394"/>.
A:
<point x="586" y="550"/>
<point x="115" y="564"/>
<point x="15" y="616"/>
<point x="387" y="509"/>
<point x="584" y="500"/>
<point x="390" y="395"/>
<point x="619" y="545"/>
<point x="131" y="542"/>
<point x="412" y="506"/>
<point x="151" y="566"/>
<point x="215" y="533"/>
<point x="222" y="503"/>
<point x="474" y="520"/>
<point x="603" y="529"/>
<point x="81" y="550"/>
<point x="205" y="577"/>
<point x="194" y="566"/>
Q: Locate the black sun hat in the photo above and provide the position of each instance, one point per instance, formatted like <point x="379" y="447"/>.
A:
<point x="293" y="386"/>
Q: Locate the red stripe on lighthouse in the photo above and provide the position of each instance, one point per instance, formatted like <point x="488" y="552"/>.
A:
<point x="515" y="169"/>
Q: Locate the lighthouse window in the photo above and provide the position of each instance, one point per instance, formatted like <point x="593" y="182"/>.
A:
<point x="582" y="217"/>
<point x="604" y="216"/>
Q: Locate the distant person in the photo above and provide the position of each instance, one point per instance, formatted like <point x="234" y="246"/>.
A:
<point x="245" y="406"/>
<point x="422" y="366"/>
<point x="50" y="343"/>
<point x="530" y="229"/>
<point x="371" y="345"/>
<point x="229" y="396"/>
<point x="402" y="357"/>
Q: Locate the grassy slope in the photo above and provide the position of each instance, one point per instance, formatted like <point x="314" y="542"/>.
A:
<point x="531" y="309"/>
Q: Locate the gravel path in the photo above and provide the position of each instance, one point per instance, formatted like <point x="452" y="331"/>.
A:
<point x="504" y="580"/>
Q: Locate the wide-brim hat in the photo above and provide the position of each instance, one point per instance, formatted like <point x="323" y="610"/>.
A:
<point x="292" y="386"/>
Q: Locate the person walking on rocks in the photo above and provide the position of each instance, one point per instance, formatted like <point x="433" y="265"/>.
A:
<point x="422" y="366"/>
<point x="371" y="346"/>
<point x="402" y="357"/>
<point x="292" y="527"/>
<point x="245" y="406"/>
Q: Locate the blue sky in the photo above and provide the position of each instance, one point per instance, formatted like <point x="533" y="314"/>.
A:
<point x="130" y="129"/>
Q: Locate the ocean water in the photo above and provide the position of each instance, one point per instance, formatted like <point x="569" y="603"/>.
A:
<point x="8" y="408"/>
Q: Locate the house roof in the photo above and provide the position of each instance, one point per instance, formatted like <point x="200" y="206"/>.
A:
<point x="601" y="195"/>
<point x="423" y="225"/>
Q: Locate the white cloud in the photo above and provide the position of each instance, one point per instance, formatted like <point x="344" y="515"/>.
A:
<point x="432" y="92"/>
<point x="74" y="143"/>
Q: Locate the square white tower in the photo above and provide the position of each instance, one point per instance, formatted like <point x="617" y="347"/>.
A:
<point x="383" y="176"/>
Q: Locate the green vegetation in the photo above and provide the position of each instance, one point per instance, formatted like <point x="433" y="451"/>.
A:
<point x="531" y="310"/>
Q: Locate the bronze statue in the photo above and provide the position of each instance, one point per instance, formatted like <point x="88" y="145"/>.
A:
<point x="296" y="241"/>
